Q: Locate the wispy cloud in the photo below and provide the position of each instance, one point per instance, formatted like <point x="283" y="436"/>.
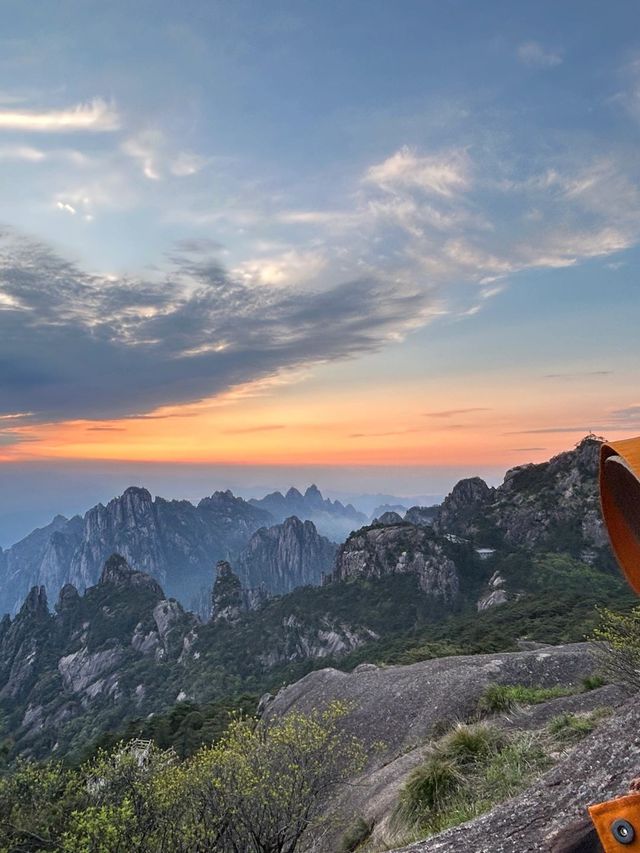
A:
<point x="441" y="174"/>
<point x="246" y="430"/>
<point x="532" y="53"/>
<point x="95" y="116"/>
<point x="449" y="413"/>
<point x="22" y="152"/>
<point x="155" y="157"/>
<point x="579" y="374"/>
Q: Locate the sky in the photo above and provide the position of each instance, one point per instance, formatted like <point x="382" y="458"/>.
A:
<point x="373" y="245"/>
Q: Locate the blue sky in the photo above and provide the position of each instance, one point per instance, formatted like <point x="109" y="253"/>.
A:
<point x="434" y="204"/>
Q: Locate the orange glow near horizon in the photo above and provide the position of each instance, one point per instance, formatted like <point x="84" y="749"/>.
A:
<point x="394" y="423"/>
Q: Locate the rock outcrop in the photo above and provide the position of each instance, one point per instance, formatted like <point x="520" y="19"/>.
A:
<point x="553" y="505"/>
<point x="285" y="556"/>
<point x="228" y="601"/>
<point x="403" y="548"/>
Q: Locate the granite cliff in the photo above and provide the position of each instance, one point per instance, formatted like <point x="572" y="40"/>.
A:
<point x="285" y="556"/>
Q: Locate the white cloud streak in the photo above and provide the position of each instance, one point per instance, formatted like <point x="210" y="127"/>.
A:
<point x="95" y="116"/>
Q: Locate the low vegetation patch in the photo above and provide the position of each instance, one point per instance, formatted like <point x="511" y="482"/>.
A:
<point x="465" y="773"/>
<point x="571" y="728"/>
<point x="500" y="698"/>
<point x="476" y="766"/>
<point x="359" y="831"/>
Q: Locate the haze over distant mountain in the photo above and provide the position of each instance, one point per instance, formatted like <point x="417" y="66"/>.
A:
<point x="332" y="518"/>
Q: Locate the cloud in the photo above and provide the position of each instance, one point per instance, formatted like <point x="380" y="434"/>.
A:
<point x="629" y="413"/>
<point x="95" y="116"/>
<point x="286" y="268"/>
<point x="578" y="374"/>
<point x="66" y="207"/>
<point x="453" y="412"/>
<point x="22" y="152"/>
<point x="533" y="54"/>
<point x="441" y="174"/>
<point x="76" y="345"/>
<point x="245" y="430"/>
<point x="385" y="434"/>
<point x="151" y="151"/>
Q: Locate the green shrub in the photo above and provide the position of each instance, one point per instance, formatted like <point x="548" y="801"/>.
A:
<point x="427" y="791"/>
<point x="359" y="831"/>
<point x="466" y="772"/>
<point x="618" y="646"/>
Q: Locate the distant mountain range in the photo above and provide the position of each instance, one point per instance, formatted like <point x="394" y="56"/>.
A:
<point x="178" y="543"/>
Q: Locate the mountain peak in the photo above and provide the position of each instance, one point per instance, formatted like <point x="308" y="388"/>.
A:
<point x="117" y="572"/>
<point x="138" y="492"/>
<point x="293" y="494"/>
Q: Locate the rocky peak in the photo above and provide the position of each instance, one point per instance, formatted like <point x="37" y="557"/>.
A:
<point x="117" y="572"/>
<point x="136" y="495"/>
<point x="313" y="496"/>
<point x="227" y="600"/>
<point x="469" y="492"/>
<point x="68" y="598"/>
<point x="285" y="556"/>
<point x="293" y="494"/>
<point x="552" y="504"/>
<point x="389" y="517"/>
<point x="422" y="515"/>
<point x="378" y="551"/>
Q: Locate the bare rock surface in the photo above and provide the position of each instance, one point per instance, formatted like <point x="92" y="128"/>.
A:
<point x="400" y="705"/>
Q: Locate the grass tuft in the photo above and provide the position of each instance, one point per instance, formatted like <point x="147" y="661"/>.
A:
<point x="500" y="698"/>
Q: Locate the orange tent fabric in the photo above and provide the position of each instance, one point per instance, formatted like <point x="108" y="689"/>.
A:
<point x="617" y="823"/>
<point x="620" y="497"/>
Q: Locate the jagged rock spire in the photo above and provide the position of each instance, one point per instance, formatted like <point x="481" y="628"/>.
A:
<point x="227" y="600"/>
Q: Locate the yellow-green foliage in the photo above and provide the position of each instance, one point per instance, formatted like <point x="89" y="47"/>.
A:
<point x="618" y="644"/>
<point x="259" y="789"/>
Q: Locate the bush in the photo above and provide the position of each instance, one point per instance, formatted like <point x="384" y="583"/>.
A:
<point x="260" y="788"/>
<point x="571" y="728"/>
<point x="592" y="682"/>
<point x="427" y="791"/>
<point x="618" y="646"/>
